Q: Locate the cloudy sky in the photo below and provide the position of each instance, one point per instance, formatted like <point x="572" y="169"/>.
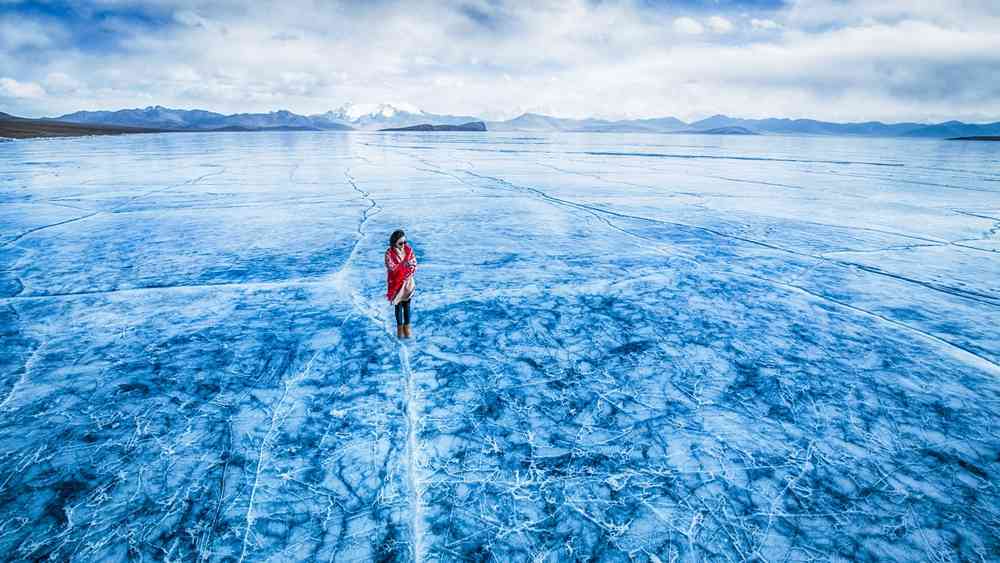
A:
<point x="842" y="60"/>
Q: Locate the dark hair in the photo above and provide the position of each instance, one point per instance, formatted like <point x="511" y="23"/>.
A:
<point x="395" y="236"/>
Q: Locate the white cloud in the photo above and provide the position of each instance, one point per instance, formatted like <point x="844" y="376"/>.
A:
<point x="189" y="17"/>
<point x="688" y="25"/>
<point x="60" y="83"/>
<point x="720" y="24"/>
<point x="10" y="88"/>
<point x="965" y="14"/>
<point x="620" y="60"/>
<point x="764" y="24"/>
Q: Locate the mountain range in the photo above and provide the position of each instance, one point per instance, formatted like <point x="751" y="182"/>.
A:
<point x="347" y="117"/>
<point x="12" y="127"/>
<point x="373" y="117"/>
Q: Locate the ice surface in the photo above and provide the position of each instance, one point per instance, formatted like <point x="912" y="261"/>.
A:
<point x="628" y="347"/>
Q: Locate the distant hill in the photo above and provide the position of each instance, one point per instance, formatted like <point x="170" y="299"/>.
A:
<point x="153" y="116"/>
<point x="867" y="129"/>
<point x="718" y="124"/>
<point x="977" y="138"/>
<point x="807" y="126"/>
<point x="660" y="123"/>
<point x="23" y="128"/>
<point x="545" y="123"/>
<point x="181" y="119"/>
<point x="471" y="126"/>
<point x="956" y="129"/>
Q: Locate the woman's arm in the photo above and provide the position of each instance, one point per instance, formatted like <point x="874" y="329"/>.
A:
<point x="390" y="264"/>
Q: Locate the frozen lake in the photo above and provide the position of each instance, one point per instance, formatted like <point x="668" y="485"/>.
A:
<point x="627" y="347"/>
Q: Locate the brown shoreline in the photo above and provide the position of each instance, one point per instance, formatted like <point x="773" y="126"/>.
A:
<point x="977" y="138"/>
<point x="23" y="128"/>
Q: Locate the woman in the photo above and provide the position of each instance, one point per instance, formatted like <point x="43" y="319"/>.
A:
<point x="400" y="263"/>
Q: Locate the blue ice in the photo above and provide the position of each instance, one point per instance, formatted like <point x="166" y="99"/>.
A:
<point x="627" y="348"/>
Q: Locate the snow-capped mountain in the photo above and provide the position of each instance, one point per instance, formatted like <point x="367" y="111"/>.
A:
<point x="355" y="112"/>
<point x="384" y="115"/>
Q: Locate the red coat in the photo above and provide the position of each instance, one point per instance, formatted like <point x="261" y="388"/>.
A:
<point x="397" y="270"/>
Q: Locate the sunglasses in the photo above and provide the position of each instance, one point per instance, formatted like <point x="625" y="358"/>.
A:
<point x="401" y="243"/>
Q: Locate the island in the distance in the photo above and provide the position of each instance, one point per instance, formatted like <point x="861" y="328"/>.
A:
<point x="730" y="130"/>
<point x="470" y="126"/>
<point x="977" y="138"/>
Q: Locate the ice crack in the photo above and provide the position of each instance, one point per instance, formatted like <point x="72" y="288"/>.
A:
<point x="410" y="399"/>
<point x="278" y="416"/>
<point x="413" y="479"/>
<point x="191" y="182"/>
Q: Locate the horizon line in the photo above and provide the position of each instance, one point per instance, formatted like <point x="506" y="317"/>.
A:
<point x="611" y="120"/>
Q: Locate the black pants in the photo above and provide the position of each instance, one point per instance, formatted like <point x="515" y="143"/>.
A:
<point x="403" y="313"/>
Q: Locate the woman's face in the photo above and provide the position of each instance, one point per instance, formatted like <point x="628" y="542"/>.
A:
<point x="401" y="243"/>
